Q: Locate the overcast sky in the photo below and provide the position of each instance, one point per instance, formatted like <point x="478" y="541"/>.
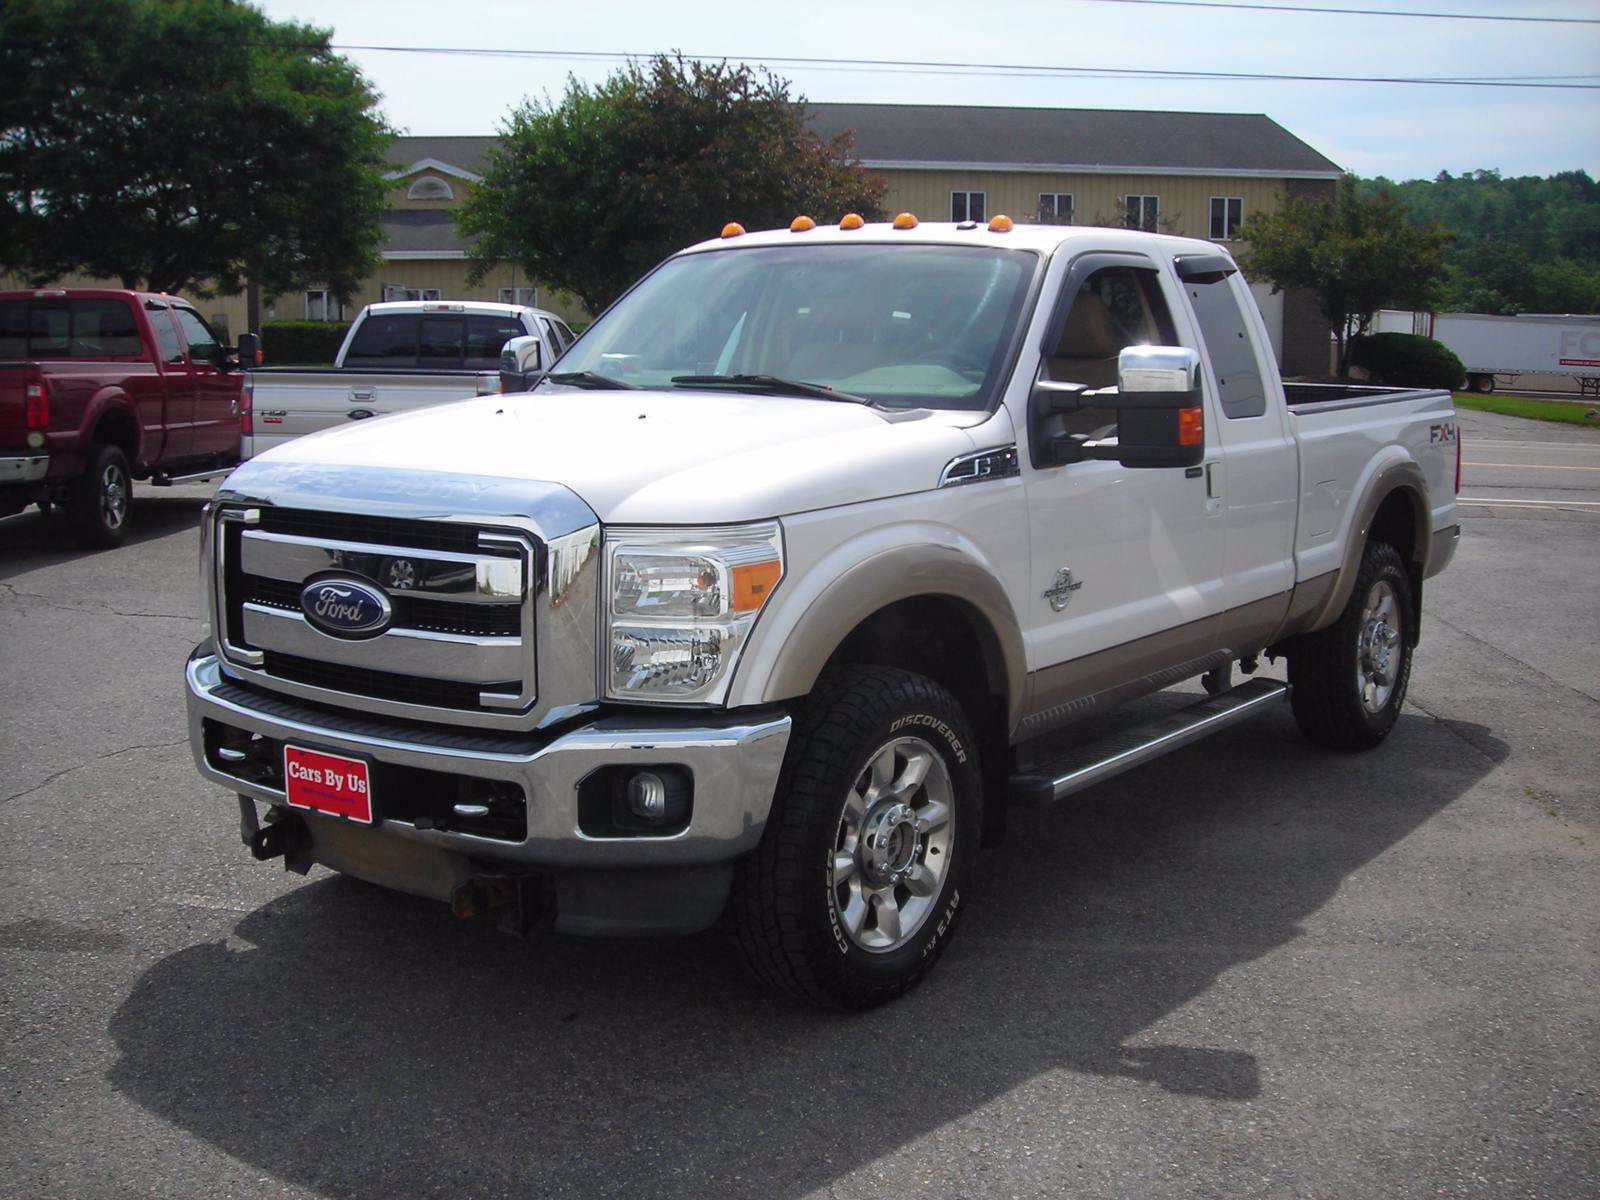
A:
<point x="1402" y="131"/>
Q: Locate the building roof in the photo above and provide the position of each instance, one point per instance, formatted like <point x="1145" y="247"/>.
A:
<point x="970" y="137"/>
<point x="1077" y="140"/>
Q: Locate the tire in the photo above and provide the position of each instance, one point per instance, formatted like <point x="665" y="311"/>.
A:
<point x="857" y="884"/>
<point x="1350" y="679"/>
<point x="101" y="497"/>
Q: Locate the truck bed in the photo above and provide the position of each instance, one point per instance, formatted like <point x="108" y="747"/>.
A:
<point x="289" y="402"/>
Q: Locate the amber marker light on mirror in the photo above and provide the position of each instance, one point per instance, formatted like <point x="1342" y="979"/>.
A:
<point x="851" y="221"/>
<point x="732" y="229"/>
<point x="802" y="225"/>
<point x="1191" y="427"/>
<point x="753" y="583"/>
<point x="905" y="221"/>
<point x="1000" y="223"/>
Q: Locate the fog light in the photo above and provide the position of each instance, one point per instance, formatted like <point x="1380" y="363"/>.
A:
<point x="647" y="796"/>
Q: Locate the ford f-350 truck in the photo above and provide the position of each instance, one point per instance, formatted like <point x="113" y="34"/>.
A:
<point x="772" y="622"/>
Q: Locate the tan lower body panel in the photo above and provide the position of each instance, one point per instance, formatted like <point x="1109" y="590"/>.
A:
<point x="1097" y="682"/>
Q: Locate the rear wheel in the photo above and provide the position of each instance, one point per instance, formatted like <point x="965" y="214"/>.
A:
<point x="1350" y="679"/>
<point x="856" y="886"/>
<point x="100" y="499"/>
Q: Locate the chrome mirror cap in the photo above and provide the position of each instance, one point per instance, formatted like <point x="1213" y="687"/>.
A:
<point x="1158" y="369"/>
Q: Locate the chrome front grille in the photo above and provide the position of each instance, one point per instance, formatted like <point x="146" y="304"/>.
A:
<point x="461" y="643"/>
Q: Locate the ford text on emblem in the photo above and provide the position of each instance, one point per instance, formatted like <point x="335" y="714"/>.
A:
<point x="345" y="607"/>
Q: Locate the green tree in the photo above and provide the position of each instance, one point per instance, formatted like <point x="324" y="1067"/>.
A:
<point x="1355" y="253"/>
<point x="184" y="145"/>
<point x="588" y="194"/>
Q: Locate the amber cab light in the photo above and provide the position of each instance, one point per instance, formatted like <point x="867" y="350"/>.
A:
<point x="36" y="406"/>
<point x="1000" y="224"/>
<point x="802" y="224"/>
<point x="732" y="229"/>
<point x="852" y="221"/>
<point x="905" y="221"/>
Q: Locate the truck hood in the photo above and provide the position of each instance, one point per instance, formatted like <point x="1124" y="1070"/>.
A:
<point x="662" y="457"/>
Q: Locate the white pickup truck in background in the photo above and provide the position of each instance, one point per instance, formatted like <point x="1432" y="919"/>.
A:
<point x="773" y="619"/>
<point x="397" y="356"/>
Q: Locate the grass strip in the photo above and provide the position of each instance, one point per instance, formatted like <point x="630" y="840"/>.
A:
<point x="1537" y="410"/>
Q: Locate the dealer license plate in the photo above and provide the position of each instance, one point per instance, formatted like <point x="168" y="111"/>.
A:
<point x="328" y="783"/>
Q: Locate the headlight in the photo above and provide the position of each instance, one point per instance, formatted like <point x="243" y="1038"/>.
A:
<point x="679" y="605"/>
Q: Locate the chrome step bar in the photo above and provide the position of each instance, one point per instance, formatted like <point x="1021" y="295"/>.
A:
<point x="164" y="480"/>
<point x="1084" y="766"/>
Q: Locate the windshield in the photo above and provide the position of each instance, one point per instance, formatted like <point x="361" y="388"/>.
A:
<point x="904" y="326"/>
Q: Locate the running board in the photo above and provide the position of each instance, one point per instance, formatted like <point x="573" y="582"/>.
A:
<point x="1084" y="766"/>
<point x="192" y="477"/>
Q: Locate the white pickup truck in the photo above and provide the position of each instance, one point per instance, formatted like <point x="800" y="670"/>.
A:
<point x="772" y="620"/>
<point x="396" y="356"/>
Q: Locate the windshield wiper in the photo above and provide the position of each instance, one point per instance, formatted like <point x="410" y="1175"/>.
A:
<point x="590" y="379"/>
<point x="768" y="383"/>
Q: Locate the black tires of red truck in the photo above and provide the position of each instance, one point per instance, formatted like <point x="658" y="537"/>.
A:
<point x="861" y="872"/>
<point x="1350" y="679"/>
<point x="100" y="499"/>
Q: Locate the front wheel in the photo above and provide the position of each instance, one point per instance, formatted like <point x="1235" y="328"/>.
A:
<point x="1349" y="680"/>
<point x="860" y="875"/>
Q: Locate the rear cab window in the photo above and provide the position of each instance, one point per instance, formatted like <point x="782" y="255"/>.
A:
<point x="429" y="340"/>
<point x="79" y="328"/>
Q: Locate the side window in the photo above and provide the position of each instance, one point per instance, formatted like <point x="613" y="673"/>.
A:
<point x="167" y="343"/>
<point x="389" y="340"/>
<point x="486" y="337"/>
<point x="1116" y="307"/>
<point x="203" y="344"/>
<point x="1228" y="342"/>
<point x="567" y="336"/>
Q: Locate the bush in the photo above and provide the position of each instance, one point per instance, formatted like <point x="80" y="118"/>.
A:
<point x="1406" y="360"/>
<point x="299" y="343"/>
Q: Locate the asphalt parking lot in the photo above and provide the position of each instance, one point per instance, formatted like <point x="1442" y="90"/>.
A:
<point x="1251" y="969"/>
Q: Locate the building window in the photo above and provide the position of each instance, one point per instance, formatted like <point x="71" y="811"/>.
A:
<point x="399" y="291"/>
<point x="323" y="305"/>
<point x="1055" y="208"/>
<point x="1143" y="212"/>
<point x="1227" y="214"/>
<point x="966" y="206"/>
<point x="430" y="187"/>
<point x="520" y="295"/>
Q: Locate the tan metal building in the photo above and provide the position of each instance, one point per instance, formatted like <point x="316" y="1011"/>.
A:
<point x="1195" y="174"/>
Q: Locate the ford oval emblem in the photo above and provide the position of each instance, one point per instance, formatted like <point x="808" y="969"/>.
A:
<point x="346" y="608"/>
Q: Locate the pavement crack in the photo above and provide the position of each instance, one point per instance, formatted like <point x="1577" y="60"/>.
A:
<point x="8" y="592"/>
<point x="1468" y="634"/>
<point x="1450" y="727"/>
<point x="51" y="778"/>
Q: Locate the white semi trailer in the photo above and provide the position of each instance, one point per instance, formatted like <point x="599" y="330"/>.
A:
<point x="1503" y="348"/>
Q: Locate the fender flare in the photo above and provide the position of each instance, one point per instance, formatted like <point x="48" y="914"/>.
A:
<point x="858" y="579"/>
<point x="1400" y="476"/>
<point x="107" y="400"/>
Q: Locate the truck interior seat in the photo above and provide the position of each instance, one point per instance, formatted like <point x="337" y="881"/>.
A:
<point x="1089" y="345"/>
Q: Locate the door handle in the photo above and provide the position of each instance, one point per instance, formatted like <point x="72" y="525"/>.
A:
<point x="1213" y="485"/>
<point x="360" y="394"/>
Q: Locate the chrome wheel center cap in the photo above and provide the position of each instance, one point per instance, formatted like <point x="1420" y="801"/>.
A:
<point x="890" y="843"/>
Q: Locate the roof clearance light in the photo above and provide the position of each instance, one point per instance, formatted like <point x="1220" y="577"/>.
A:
<point x="905" y="221"/>
<point x="851" y="221"/>
<point x="802" y="225"/>
<point x="732" y="229"/>
<point x="1000" y="223"/>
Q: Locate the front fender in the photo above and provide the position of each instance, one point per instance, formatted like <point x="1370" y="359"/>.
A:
<point x="814" y="613"/>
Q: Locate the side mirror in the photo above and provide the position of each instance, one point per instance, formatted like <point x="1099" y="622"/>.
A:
<point x="249" y="351"/>
<point x="521" y="363"/>
<point x="1160" y="415"/>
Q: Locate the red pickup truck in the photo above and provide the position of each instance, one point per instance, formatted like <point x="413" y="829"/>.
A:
<point x="99" y="387"/>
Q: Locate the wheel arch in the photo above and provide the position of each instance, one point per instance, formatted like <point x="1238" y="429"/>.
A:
<point x="112" y="421"/>
<point x="1393" y="509"/>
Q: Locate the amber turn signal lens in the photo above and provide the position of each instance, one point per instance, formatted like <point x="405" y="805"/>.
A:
<point x="1191" y="427"/>
<point x="732" y="229"/>
<point x="802" y="225"/>
<point x="905" y="221"/>
<point x="753" y="583"/>
<point x="851" y="221"/>
<point x="1000" y="224"/>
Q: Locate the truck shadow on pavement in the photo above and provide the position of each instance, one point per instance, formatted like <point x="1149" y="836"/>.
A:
<point x="357" y="1043"/>
<point x="32" y="539"/>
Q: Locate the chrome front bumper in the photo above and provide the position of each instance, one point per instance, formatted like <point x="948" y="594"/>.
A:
<point x="23" y="468"/>
<point x="733" y="759"/>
